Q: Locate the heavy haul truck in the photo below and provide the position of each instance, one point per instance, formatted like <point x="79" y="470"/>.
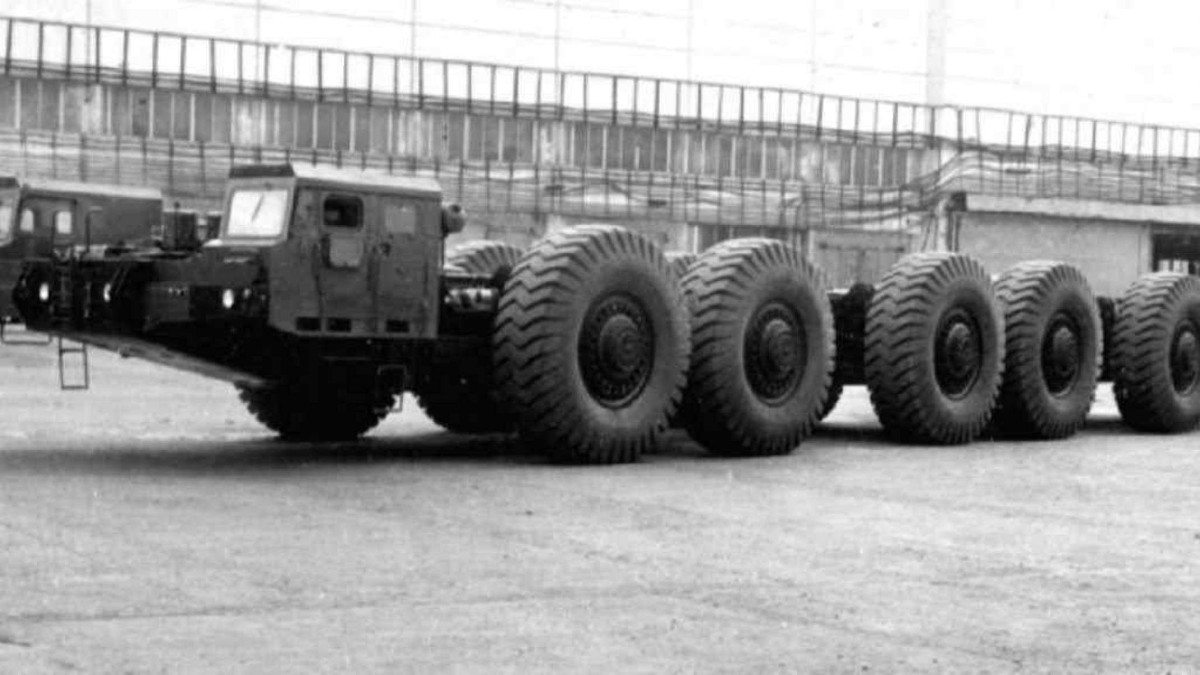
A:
<point x="53" y="218"/>
<point x="328" y="293"/>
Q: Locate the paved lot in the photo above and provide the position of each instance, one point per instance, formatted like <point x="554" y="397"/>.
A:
<point x="150" y="525"/>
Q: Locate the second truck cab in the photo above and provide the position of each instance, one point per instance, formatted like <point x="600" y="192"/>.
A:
<point x="40" y="217"/>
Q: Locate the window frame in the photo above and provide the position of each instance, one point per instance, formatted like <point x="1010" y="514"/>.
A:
<point x="360" y="211"/>
<point x="9" y="228"/>
<point x="228" y="220"/>
<point x="28" y="215"/>
<point x="57" y="220"/>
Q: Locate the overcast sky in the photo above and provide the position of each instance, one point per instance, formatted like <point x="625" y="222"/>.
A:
<point x="1120" y="59"/>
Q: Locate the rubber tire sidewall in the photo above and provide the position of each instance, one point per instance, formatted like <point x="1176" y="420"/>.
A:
<point x="635" y="278"/>
<point x="979" y="403"/>
<point x="1172" y="412"/>
<point x="785" y="286"/>
<point x="1071" y="408"/>
<point x="938" y="418"/>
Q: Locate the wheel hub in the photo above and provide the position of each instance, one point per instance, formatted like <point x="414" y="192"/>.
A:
<point x="958" y="354"/>
<point x="1061" y="355"/>
<point x="620" y="346"/>
<point x="616" y="350"/>
<point x="1185" y="359"/>
<point x="776" y="353"/>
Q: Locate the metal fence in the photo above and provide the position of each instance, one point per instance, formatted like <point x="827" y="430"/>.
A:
<point x="195" y="174"/>
<point x="174" y="60"/>
<point x="921" y="152"/>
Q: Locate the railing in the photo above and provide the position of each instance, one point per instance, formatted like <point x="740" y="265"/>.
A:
<point x="190" y="62"/>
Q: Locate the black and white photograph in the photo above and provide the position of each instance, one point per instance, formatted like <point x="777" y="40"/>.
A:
<point x="599" y="336"/>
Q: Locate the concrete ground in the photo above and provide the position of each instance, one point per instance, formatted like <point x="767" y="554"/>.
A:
<point x="150" y="525"/>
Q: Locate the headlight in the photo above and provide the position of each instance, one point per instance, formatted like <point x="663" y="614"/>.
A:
<point x="107" y="293"/>
<point x="228" y="298"/>
<point x="44" y="292"/>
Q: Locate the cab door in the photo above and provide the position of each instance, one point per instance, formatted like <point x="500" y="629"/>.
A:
<point x="405" y="257"/>
<point x="342" y="269"/>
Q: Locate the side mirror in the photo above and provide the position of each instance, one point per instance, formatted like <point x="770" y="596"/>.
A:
<point x="453" y="219"/>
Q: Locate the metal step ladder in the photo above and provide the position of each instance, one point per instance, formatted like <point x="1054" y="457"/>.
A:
<point x="65" y="351"/>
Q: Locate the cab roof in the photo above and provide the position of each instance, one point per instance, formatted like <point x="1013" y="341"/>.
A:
<point x="350" y="179"/>
<point x="98" y="189"/>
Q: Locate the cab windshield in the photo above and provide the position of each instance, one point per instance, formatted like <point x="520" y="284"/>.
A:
<point x="257" y="212"/>
<point x="8" y="215"/>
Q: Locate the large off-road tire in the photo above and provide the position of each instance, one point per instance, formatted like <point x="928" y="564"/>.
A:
<point x="312" y="412"/>
<point x="591" y="345"/>
<point x="485" y="257"/>
<point x="680" y="261"/>
<point x="1156" y="353"/>
<point x="1108" y="323"/>
<point x="1052" y="338"/>
<point x="849" y="325"/>
<point x="762" y="348"/>
<point x="461" y="397"/>
<point x="464" y="401"/>
<point x="934" y="353"/>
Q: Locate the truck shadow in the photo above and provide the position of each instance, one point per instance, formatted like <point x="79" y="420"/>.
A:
<point x="256" y="454"/>
<point x="267" y="454"/>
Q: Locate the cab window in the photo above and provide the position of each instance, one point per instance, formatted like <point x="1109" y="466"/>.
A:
<point x="342" y="212"/>
<point x="62" y="223"/>
<point x="27" y="220"/>
<point x="257" y="213"/>
<point x="7" y="211"/>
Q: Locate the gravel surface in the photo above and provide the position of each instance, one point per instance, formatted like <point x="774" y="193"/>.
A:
<point x="151" y="525"/>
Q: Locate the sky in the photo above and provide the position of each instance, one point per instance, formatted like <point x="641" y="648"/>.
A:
<point x="1116" y="59"/>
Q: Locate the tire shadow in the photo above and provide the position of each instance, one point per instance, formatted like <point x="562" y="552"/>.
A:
<point x="258" y="454"/>
<point x="267" y="454"/>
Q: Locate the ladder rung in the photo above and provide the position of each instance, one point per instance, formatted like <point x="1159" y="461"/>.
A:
<point x="65" y="349"/>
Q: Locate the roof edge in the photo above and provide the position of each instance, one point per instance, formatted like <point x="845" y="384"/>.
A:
<point x="1093" y="209"/>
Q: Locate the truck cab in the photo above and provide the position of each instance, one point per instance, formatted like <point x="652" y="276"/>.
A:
<point x="42" y="218"/>
<point x="310" y="265"/>
<point x="346" y="254"/>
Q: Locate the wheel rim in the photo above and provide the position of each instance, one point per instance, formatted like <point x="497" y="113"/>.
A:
<point x="616" y="350"/>
<point x="958" y="353"/>
<point x="776" y="353"/>
<point x="1185" y="359"/>
<point x="1062" y="354"/>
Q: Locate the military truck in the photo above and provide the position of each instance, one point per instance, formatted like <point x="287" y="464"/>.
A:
<point x="41" y="217"/>
<point x="328" y="293"/>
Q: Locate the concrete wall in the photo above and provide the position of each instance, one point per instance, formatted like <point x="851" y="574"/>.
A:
<point x="485" y="136"/>
<point x="1111" y="253"/>
<point x="184" y="140"/>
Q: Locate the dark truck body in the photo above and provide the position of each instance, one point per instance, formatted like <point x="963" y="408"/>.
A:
<point x="314" y="270"/>
<point x="40" y="217"/>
